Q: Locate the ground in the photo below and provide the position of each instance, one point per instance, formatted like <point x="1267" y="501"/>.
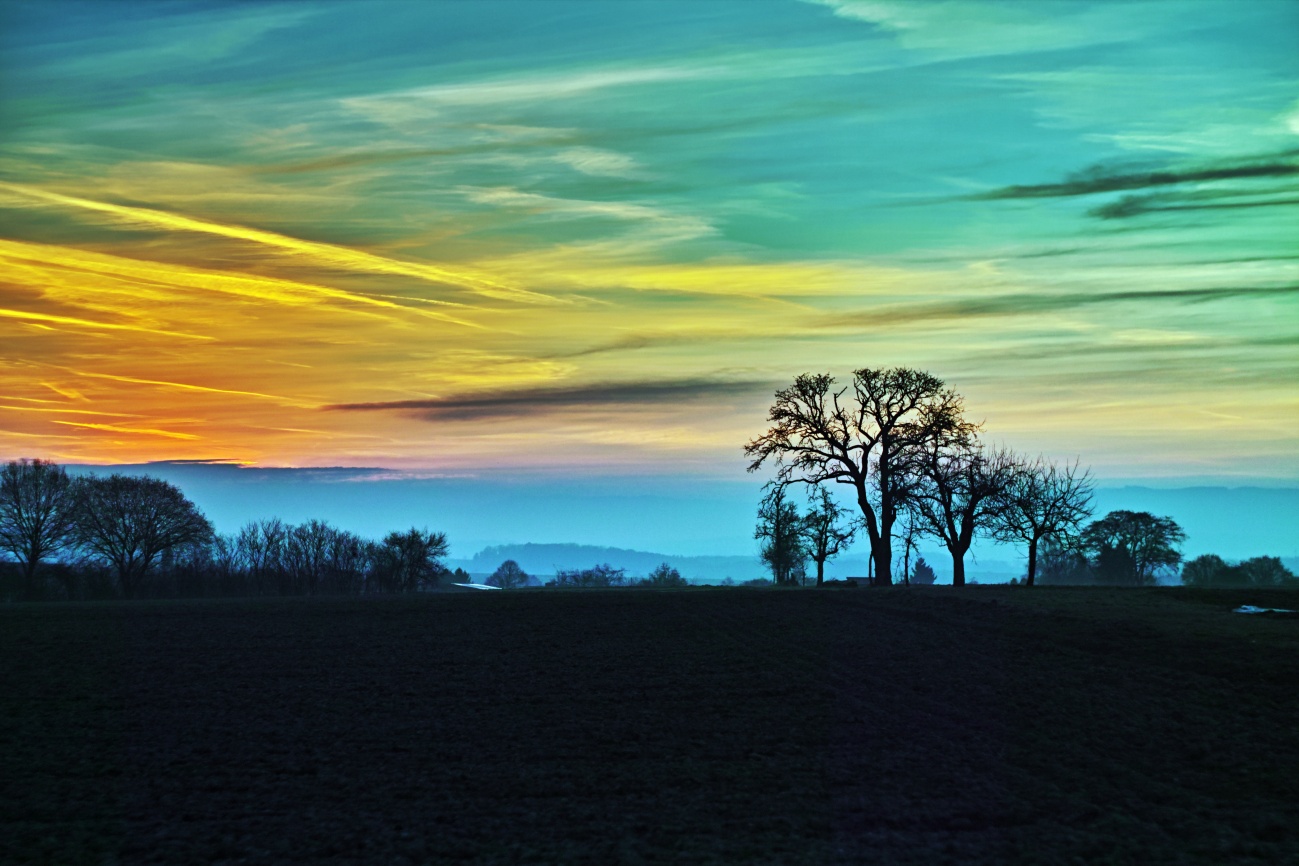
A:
<point x="922" y="725"/>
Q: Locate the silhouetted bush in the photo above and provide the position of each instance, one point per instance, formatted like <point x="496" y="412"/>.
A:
<point x="664" y="575"/>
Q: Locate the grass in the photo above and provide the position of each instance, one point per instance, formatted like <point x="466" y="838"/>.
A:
<point x="988" y="725"/>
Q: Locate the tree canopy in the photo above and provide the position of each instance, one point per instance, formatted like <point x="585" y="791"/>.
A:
<point x="37" y="513"/>
<point x="130" y="521"/>
<point x="1132" y="547"/>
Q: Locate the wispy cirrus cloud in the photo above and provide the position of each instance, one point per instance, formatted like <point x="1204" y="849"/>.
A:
<point x="1031" y="304"/>
<point x="666" y="224"/>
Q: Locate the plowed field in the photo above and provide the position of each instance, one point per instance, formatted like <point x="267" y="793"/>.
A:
<point x="988" y="725"/>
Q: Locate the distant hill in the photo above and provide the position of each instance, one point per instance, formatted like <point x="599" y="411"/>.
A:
<point x="545" y="559"/>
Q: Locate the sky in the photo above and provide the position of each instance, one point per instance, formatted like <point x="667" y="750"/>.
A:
<point x="572" y="242"/>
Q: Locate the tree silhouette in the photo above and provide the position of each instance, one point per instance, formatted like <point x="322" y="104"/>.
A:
<point x="1042" y="500"/>
<point x="780" y="527"/>
<point x="959" y="494"/>
<point x="411" y="560"/>
<point x="825" y="535"/>
<point x="865" y="435"/>
<point x="1130" y="547"/>
<point x="924" y="574"/>
<point x="37" y="514"/>
<point x="130" y="522"/>
<point x="508" y="576"/>
<point x="664" y="575"/>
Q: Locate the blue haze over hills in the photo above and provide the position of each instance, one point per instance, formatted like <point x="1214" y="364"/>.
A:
<point x="704" y="528"/>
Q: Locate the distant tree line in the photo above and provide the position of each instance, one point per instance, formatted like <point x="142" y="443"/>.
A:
<point x="1212" y="570"/>
<point x="131" y="537"/>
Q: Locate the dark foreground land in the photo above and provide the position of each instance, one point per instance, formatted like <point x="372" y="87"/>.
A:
<point x="990" y="725"/>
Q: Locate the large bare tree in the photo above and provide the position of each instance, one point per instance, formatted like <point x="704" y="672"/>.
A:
<point x="37" y="513"/>
<point x="959" y="494"/>
<point x="864" y="435"/>
<point x="1043" y="500"/>
<point x="130" y="521"/>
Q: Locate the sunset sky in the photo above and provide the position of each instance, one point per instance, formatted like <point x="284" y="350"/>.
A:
<point x="592" y="238"/>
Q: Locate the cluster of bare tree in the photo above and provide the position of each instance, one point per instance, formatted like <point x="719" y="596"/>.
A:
<point x="131" y="536"/>
<point x="899" y="441"/>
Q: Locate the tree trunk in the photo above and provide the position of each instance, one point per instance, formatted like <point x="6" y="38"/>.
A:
<point x="1032" y="562"/>
<point x="884" y="555"/>
<point x="29" y="577"/>
<point x="958" y="568"/>
<point x="883" y="566"/>
<point x="820" y="571"/>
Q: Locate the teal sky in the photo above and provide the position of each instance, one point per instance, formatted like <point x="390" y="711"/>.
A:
<point x="592" y="238"/>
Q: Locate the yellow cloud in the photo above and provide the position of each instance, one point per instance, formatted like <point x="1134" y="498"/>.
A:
<point x="329" y="255"/>
<point x="140" y="278"/>
<point x="142" y="431"/>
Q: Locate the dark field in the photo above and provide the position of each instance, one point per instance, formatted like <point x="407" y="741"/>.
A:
<point x="989" y="725"/>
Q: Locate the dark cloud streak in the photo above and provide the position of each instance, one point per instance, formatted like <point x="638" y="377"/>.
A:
<point x="1137" y="205"/>
<point x="525" y="402"/>
<point x="1100" y="180"/>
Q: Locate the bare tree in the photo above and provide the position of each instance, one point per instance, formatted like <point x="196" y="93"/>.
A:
<point x="307" y="557"/>
<point x="867" y="439"/>
<point x="825" y="535"/>
<point x="37" y="514"/>
<point x="1043" y="500"/>
<point x="959" y="494"/>
<point x="910" y="535"/>
<point x="412" y="559"/>
<point x="260" y="551"/>
<point x="350" y="559"/>
<point x="508" y="576"/>
<point x="780" y="527"/>
<point x="129" y="522"/>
